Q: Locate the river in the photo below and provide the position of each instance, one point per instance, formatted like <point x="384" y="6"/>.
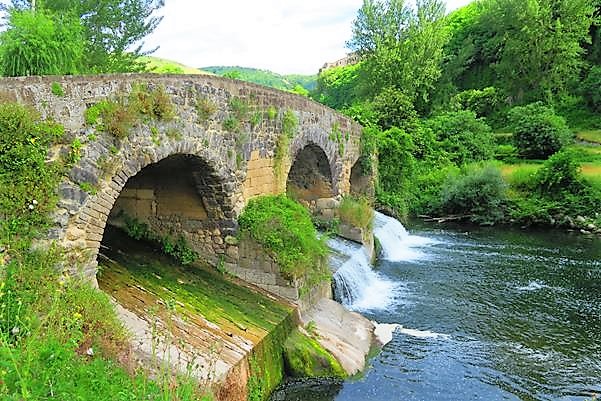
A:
<point x="482" y="314"/>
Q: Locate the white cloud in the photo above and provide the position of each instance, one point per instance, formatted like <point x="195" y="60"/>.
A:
<point x="290" y="36"/>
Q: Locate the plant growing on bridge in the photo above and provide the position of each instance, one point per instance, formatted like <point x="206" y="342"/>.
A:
<point x="289" y="124"/>
<point x="205" y="108"/>
<point x="356" y="211"/>
<point x="285" y="230"/>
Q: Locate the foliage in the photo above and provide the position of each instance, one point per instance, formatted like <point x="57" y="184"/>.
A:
<point x="482" y="102"/>
<point x="112" y="29"/>
<point x="118" y="116"/>
<point x="231" y="124"/>
<point x="538" y="131"/>
<point x="205" y="108"/>
<point x="357" y="212"/>
<point x="336" y="87"/>
<point x="591" y="89"/>
<point x="284" y="228"/>
<point x="399" y="46"/>
<point x="559" y="173"/>
<point x="177" y="248"/>
<point x="542" y="39"/>
<point x="393" y="108"/>
<point x="37" y="43"/>
<point x="463" y="136"/>
<point x="396" y="162"/>
<point x="239" y="107"/>
<point x="479" y="192"/>
<point x="289" y="124"/>
<point x="27" y="179"/>
<point x="264" y="77"/>
<point x="57" y="89"/>
<point x="305" y="357"/>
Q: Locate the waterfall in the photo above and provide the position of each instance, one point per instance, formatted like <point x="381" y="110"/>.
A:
<point x="356" y="285"/>
<point x="397" y="244"/>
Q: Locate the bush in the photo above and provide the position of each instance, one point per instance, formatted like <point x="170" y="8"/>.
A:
<point x="559" y="173"/>
<point x="27" y="180"/>
<point x="482" y="102"/>
<point x="285" y="230"/>
<point x="538" y="131"/>
<point x="463" y="136"/>
<point x="479" y="192"/>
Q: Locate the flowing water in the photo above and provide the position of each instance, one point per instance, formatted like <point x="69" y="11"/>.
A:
<point x="481" y="314"/>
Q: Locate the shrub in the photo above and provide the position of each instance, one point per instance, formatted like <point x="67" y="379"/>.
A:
<point x="356" y="211"/>
<point x="559" y="173"/>
<point x="463" y="136"/>
<point x="482" y="102"/>
<point x="538" y="131"/>
<point x="205" y="108"/>
<point x="479" y="192"/>
<point x="284" y="229"/>
<point x="27" y="180"/>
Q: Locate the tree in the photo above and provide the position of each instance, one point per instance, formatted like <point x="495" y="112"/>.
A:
<point x="400" y="47"/>
<point x="113" y="29"/>
<point x="539" y="44"/>
<point x="36" y="43"/>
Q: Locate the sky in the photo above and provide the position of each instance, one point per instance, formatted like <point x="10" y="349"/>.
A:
<point x="284" y="36"/>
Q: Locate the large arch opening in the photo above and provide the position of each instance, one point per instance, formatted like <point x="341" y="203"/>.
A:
<point x="310" y="176"/>
<point x="179" y="198"/>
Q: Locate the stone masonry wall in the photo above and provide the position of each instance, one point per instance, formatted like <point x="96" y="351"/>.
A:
<point x="232" y="166"/>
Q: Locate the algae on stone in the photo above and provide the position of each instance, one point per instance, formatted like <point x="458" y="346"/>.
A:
<point x="305" y="357"/>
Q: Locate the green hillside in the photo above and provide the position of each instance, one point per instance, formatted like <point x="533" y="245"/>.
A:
<point x="163" y="66"/>
<point x="265" y="77"/>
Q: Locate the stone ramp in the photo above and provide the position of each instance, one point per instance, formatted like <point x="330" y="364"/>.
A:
<point x="348" y="336"/>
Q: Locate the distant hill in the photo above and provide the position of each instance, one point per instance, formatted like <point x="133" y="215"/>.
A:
<point x="265" y="77"/>
<point x="163" y="66"/>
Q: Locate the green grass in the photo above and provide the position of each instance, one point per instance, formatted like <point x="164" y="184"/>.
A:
<point x="356" y="212"/>
<point x="593" y="136"/>
<point x="59" y="337"/>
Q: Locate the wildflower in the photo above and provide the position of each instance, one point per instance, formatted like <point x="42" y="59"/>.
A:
<point x="34" y="202"/>
<point x="77" y="315"/>
<point x="90" y="351"/>
<point x="15" y="330"/>
<point x="31" y="207"/>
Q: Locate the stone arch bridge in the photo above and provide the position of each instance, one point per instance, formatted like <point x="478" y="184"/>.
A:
<point x="193" y="174"/>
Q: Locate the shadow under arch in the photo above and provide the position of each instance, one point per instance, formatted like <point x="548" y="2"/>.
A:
<point x="310" y="176"/>
<point x="180" y="195"/>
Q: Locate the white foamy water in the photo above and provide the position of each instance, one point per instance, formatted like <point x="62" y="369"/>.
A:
<point x="385" y="331"/>
<point x="397" y="244"/>
<point x="533" y="286"/>
<point x="357" y="286"/>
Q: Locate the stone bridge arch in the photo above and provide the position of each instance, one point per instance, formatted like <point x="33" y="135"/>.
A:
<point x="231" y="128"/>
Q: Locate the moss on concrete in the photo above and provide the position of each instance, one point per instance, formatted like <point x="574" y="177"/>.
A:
<point x="305" y="357"/>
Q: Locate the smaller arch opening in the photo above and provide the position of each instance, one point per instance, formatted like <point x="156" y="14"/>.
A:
<point x="361" y="183"/>
<point x="310" y="177"/>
